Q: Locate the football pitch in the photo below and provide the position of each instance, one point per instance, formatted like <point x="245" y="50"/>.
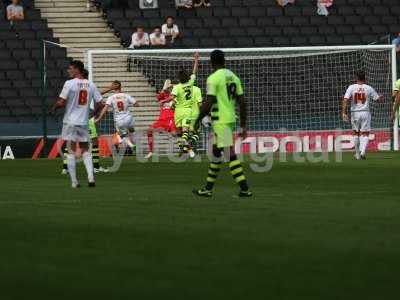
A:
<point x="311" y="231"/>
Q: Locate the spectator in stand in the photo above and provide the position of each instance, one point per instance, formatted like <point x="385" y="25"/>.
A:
<point x="199" y="3"/>
<point x="322" y="7"/>
<point x="285" y="2"/>
<point x="15" y="11"/>
<point x="140" y="39"/>
<point x="170" y="30"/>
<point x="184" y="4"/>
<point x="157" y="38"/>
<point x="148" y="4"/>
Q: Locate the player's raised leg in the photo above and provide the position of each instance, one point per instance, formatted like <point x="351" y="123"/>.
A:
<point x="126" y="130"/>
<point x="132" y="139"/>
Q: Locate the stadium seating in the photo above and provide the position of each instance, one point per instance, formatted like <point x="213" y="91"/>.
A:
<point x="258" y="23"/>
<point x="243" y="23"/>
<point x="21" y="67"/>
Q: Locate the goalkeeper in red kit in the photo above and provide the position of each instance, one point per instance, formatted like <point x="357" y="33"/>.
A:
<point x="165" y="121"/>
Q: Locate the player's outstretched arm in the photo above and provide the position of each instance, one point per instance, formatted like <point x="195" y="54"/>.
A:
<point x="196" y="63"/>
<point x="102" y="113"/>
<point x="345" y="117"/>
<point x="59" y="103"/>
<point x="243" y="115"/>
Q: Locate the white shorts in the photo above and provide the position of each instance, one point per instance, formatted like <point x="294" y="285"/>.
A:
<point x="125" y="125"/>
<point x="361" y="121"/>
<point x="75" y="133"/>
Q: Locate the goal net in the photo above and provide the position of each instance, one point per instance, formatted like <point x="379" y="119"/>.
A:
<point x="294" y="95"/>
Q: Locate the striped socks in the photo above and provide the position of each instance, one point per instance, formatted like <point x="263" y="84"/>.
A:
<point x="236" y="170"/>
<point x="96" y="157"/>
<point x="212" y="175"/>
<point x="183" y="142"/>
<point x="194" y="139"/>
<point x="185" y="136"/>
<point x="65" y="162"/>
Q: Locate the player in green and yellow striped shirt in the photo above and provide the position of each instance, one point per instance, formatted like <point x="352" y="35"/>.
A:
<point x="224" y="90"/>
<point x="183" y="96"/>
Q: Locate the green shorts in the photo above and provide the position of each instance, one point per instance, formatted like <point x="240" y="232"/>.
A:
<point x="223" y="134"/>
<point x="92" y="129"/>
<point x="183" y="118"/>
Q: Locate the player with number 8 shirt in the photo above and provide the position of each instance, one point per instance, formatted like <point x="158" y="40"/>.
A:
<point x="76" y="96"/>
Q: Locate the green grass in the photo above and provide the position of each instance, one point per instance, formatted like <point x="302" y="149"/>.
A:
<point x="312" y="231"/>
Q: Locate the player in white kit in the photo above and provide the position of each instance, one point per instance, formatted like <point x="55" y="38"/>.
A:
<point x="76" y="96"/>
<point x="360" y="95"/>
<point x="124" y="121"/>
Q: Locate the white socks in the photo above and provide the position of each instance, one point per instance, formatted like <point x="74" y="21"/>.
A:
<point x="356" y="140"/>
<point x="71" y="163"/>
<point x="87" y="160"/>
<point x="364" y="140"/>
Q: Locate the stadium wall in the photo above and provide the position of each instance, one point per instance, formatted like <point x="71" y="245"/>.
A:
<point x="256" y="142"/>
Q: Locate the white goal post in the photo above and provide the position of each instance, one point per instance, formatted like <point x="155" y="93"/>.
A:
<point x="290" y="91"/>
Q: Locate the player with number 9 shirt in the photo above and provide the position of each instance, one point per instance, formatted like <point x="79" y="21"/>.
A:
<point x="120" y="103"/>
